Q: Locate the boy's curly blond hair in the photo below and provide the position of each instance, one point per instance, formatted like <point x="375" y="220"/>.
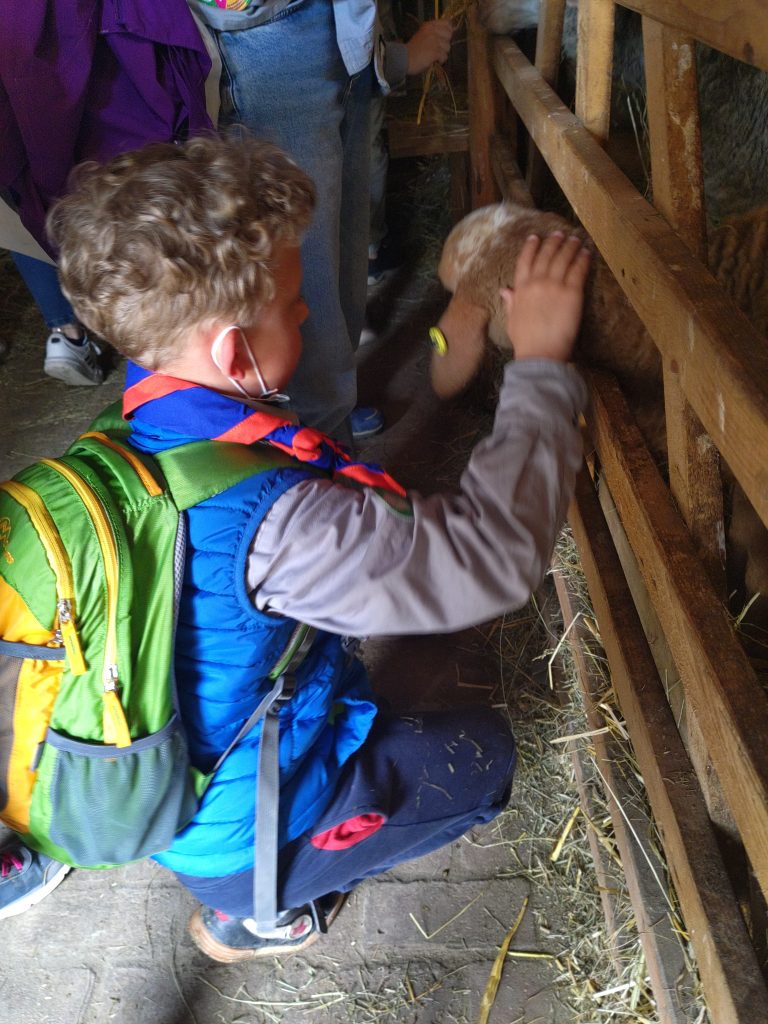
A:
<point x="166" y="239"/>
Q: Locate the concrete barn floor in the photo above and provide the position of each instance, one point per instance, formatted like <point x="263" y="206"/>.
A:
<point x="415" y="945"/>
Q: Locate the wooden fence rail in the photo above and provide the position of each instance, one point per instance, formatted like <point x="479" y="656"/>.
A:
<point x="715" y="378"/>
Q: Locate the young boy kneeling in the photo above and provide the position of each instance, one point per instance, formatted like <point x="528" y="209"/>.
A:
<point x="187" y="259"/>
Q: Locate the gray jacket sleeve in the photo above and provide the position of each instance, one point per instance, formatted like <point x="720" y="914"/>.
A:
<point x="347" y="561"/>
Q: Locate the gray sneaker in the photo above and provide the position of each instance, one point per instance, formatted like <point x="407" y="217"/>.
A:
<point x="72" y="361"/>
<point x="26" y="877"/>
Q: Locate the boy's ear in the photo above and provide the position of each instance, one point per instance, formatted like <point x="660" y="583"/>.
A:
<point x="232" y="360"/>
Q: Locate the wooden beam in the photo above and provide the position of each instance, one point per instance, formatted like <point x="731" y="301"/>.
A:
<point x="671" y="978"/>
<point x="733" y="985"/>
<point x="674" y="130"/>
<point x="549" y="45"/>
<point x="678" y="194"/>
<point x="609" y="871"/>
<point x="688" y="726"/>
<point x="483" y="95"/>
<point x="737" y="28"/>
<point x="507" y="173"/>
<point x="459" y="198"/>
<point x="549" y="40"/>
<point x="406" y="138"/>
<point x="594" y="65"/>
<point x="720" y="685"/>
<point x="695" y="479"/>
<point x="721" y="360"/>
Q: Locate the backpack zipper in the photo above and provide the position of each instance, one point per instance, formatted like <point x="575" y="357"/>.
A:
<point x="57" y="556"/>
<point x="115" y="725"/>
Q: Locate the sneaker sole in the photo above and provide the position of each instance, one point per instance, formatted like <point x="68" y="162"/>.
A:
<point x="66" y="372"/>
<point x="386" y="275"/>
<point x="363" y="434"/>
<point x="222" y="954"/>
<point x="39" y="894"/>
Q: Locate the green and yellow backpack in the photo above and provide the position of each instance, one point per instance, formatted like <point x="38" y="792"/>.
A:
<point x="94" y="768"/>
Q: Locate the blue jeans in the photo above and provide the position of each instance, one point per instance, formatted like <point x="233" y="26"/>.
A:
<point x="43" y="283"/>
<point x="379" y="168"/>
<point x="285" y="81"/>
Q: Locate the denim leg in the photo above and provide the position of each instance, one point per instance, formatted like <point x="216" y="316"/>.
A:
<point x="42" y="281"/>
<point x="286" y="82"/>
<point x="355" y="201"/>
<point x="379" y="169"/>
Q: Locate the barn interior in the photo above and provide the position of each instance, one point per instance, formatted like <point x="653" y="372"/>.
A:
<point x="627" y="880"/>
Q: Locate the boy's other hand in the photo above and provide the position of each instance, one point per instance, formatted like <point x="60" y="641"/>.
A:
<point x="543" y="310"/>
<point x="432" y="42"/>
<point x="464" y="325"/>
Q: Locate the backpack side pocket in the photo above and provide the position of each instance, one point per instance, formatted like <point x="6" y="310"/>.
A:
<point x="136" y="796"/>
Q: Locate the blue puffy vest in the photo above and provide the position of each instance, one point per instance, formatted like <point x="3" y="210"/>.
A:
<point x="225" y="649"/>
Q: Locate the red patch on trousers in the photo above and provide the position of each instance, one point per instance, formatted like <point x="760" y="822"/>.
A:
<point x="349" y="832"/>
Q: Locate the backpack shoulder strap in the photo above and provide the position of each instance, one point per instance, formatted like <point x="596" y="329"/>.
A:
<point x="202" y="469"/>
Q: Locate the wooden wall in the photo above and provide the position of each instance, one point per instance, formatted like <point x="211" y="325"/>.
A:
<point x="653" y="553"/>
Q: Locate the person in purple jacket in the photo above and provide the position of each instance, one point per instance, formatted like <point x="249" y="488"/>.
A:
<point x="79" y="80"/>
<point x="325" y="541"/>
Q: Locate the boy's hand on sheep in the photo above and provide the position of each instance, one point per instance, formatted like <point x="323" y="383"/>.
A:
<point x="430" y="43"/>
<point x="543" y="310"/>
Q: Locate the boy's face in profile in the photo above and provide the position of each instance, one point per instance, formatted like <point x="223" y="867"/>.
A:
<point x="276" y="339"/>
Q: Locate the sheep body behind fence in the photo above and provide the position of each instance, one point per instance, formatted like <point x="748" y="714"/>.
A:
<point x="479" y="258"/>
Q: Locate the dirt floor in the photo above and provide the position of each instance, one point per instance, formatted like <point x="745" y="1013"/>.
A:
<point x="415" y="945"/>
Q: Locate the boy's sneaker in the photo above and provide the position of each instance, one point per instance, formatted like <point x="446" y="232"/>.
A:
<point x="232" y="939"/>
<point x="26" y="877"/>
<point x="74" y="362"/>
<point x="365" y="421"/>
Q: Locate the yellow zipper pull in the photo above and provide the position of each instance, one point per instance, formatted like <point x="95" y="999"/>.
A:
<point x="69" y="637"/>
<point x="114" y="721"/>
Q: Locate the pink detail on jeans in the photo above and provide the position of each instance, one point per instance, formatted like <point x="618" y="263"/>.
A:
<point x="349" y="832"/>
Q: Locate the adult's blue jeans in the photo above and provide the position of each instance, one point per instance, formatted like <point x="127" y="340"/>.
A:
<point x="285" y="81"/>
<point x="379" y="169"/>
<point x="43" y="283"/>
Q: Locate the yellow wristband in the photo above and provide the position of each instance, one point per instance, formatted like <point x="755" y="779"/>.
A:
<point x="437" y="341"/>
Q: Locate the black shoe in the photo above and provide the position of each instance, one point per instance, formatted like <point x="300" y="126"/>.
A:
<point x="230" y="939"/>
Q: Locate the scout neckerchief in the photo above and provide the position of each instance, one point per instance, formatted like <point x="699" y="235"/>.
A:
<point x="197" y="412"/>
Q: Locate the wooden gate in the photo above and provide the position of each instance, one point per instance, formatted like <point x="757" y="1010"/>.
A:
<point x="653" y="554"/>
